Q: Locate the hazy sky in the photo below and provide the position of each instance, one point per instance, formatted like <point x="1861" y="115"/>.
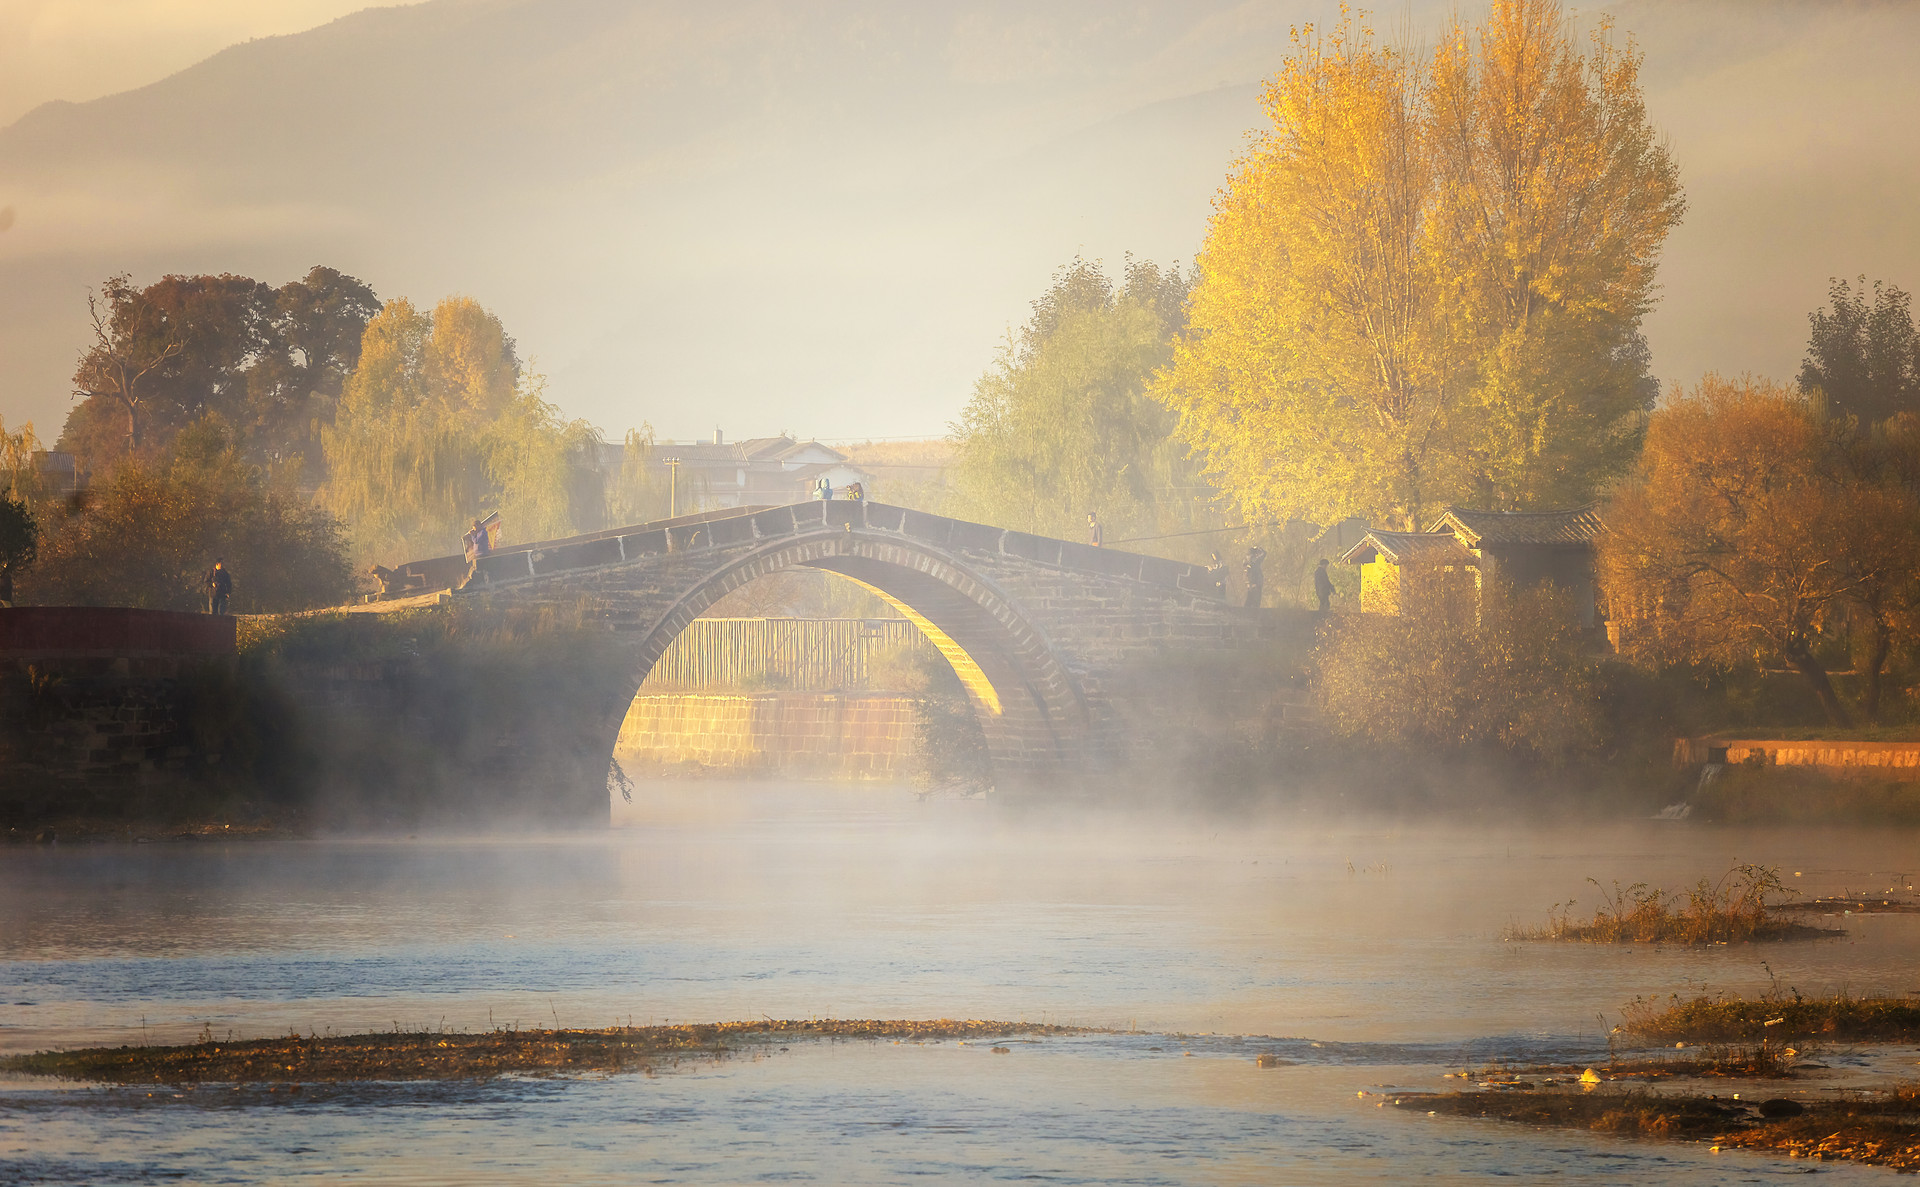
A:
<point x="83" y="49"/>
<point x="768" y="216"/>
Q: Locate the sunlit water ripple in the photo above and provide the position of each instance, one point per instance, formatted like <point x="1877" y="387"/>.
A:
<point x="1370" y="956"/>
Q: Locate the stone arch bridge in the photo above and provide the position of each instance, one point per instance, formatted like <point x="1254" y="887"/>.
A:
<point x="1035" y="627"/>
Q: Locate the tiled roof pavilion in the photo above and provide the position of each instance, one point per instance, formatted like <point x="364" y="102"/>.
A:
<point x="1477" y="529"/>
<point x="1398" y="548"/>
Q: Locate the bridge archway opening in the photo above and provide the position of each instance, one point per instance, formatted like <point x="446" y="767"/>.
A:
<point x="1029" y="713"/>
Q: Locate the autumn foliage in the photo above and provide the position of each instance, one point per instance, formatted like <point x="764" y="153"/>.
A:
<point x="1757" y="529"/>
<point x="439" y="424"/>
<point x="1425" y="283"/>
<point x="148" y="535"/>
<point x="1504" y="672"/>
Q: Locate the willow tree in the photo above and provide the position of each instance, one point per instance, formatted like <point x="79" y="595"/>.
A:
<point x="440" y="424"/>
<point x="1062" y="423"/>
<point x="1424" y="284"/>
<point x="639" y="492"/>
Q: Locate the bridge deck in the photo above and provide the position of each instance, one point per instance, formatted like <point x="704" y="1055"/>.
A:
<point x="734" y="527"/>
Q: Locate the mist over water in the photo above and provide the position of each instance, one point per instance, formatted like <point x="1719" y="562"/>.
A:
<point x="1367" y="951"/>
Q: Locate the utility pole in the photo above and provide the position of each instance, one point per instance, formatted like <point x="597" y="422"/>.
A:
<point x="673" y="487"/>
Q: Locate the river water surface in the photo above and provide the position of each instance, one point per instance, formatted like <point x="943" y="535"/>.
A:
<point x="1369" y="954"/>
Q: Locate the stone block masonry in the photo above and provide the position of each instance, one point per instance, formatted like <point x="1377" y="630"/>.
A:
<point x="97" y="708"/>
<point x="1897" y="760"/>
<point x="1041" y="633"/>
<point x="820" y="735"/>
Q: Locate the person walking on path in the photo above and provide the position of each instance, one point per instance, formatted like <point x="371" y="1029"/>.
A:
<point x="1096" y="535"/>
<point x="219" y="586"/>
<point x="1256" y="578"/>
<point x="1217" y="575"/>
<point x="1322" y="585"/>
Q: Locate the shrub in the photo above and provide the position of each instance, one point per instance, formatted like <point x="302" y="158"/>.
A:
<point x="149" y="535"/>
<point x="1511" y="674"/>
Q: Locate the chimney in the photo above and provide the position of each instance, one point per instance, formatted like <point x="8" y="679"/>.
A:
<point x="718" y="439"/>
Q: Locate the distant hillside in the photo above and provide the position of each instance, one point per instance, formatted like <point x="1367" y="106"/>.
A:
<point x="747" y="203"/>
<point x="825" y="216"/>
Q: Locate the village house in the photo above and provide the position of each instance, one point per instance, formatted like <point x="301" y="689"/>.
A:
<point x="1466" y="549"/>
<point x="760" y="471"/>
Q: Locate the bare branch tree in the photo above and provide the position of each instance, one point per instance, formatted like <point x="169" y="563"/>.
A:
<point x="116" y="364"/>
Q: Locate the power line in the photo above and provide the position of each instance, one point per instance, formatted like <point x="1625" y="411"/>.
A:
<point x="1241" y="527"/>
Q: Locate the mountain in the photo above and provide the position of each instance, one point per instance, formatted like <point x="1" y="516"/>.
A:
<point x="823" y="217"/>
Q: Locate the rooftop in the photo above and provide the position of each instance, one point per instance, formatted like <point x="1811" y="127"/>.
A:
<point x="1400" y="547"/>
<point x="1577" y="525"/>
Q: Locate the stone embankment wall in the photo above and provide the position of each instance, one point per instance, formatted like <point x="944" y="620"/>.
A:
<point x="1900" y="760"/>
<point x="98" y="708"/>
<point x="824" y="735"/>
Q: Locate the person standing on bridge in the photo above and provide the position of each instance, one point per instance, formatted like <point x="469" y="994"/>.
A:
<point x="478" y="542"/>
<point x="1096" y="535"/>
<point x="219" y="586"/>
<point x="1217" y="575"/>
<point x="1256" y="577"/>
<point x="1322" y="585"/>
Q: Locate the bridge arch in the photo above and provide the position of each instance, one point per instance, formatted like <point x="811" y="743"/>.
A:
<point x="1031" y="712"/>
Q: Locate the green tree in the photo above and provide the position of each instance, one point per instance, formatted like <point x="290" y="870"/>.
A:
<point x="148" y="535"/>
<point x="1864" y="358"/>
<point x="639" y="493"/>
<point x="1879" y="546"/>
<point x="19" y="542"/>
<point x="1425" y="283"/>
<point x="438" y="425"/>
<point x="1062" y="423"/>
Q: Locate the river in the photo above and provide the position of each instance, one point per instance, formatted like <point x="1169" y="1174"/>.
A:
<point x="1369" y="953"/>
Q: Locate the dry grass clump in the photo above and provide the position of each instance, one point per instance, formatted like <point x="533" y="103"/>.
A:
<point x="1637" y="1114"/>
<point x="1762" y="1061"/>
<point x="1882" y="1129"/>
<point x="430" y="1055"/>
<point x="1732" y="909"/>
<point x="1774" y="1019"/>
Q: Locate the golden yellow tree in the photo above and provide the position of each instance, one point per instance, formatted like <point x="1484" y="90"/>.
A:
<point x="17" y="471"/>
<point x="440" y="424"/>
<point x="1424" y="284"/>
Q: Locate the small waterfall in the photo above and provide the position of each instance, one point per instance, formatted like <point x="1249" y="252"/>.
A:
<point x="1683" y="809"/>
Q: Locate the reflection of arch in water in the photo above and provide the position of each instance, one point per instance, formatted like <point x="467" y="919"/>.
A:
<point x="1029" y="709"/>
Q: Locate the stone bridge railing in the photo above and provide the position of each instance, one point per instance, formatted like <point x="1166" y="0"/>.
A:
<point x="558" y="558"/>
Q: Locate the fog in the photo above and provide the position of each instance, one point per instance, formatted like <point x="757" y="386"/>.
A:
<point x="1366" y="952"/>
<point x="696" y="215"/>
<point x="822" y="221"/>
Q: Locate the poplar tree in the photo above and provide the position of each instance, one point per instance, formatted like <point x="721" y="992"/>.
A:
<point x="1424" y="284"/>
